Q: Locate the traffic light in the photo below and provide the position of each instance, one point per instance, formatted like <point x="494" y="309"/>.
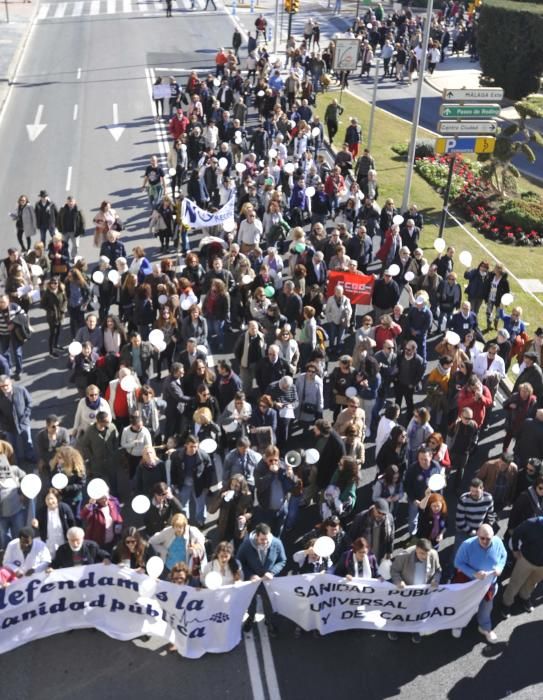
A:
<point x="287" y="5"/>
<point x="294" y="6"/>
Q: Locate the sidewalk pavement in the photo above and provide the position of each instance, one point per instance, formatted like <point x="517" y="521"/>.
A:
<point x="14" y="37"/>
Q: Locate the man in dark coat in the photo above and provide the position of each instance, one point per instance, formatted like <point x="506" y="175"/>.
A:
<point x="78" y="551"/>
<point x="331" y="449"/>
<point x="530" y="440"/>
<point x="271" y="368"/>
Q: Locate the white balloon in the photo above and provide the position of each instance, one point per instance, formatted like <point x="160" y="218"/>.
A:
<point x="507" y="299"/>
<point x="238" y="140"/>
<point x="216" y="82"/>
<point x="36" y="270"/>
<point x="97" y="488"/>
<point x="59" y="481"/>
<point x="315" y="132"/>
<point x="439" y="245"/>
<point x="75" y="348"/>
<point x="310" y="191"/>
<point x="324" y="546"/>
<point x="272" y="153"/>
<point x="515" y="368"/>
<point x="31" y="485"/>
<point x="465" y="258"/>
<point x="230" y="427"/>
<point x="202" y="348"/>
<point x="156" y="336"/>
<point x="140" y="504"/>
<point x="113" y="276"/>
<point x="409" y="276"/>
<point x="398" y="219"/>
<point x="229" y="225"/>
<point x="289" y="168"/>
<point x="394" y="270"/>
<point x="261" y="164"/>
<point x="223" y="163"/>
<point x="162" y="299"/>
<point x="208" y="445"/>
<point x="241" y="167"/>
<point x="351" y="392"/>
<point x="436" y="482"/>
<point x="424" y="269"/>
<point x="160" y="345"/>
<point x="172" y="172"/>
<point x="213" y="580"/>
<point x="311" y="456"/>
<point x="154" y="567"/>
<point x="186" y="304"/>
<point x="261" y="93"/>
<point x="98" y="276"/>
<point x="246" y="279"/>
<point x="129" y="383"/>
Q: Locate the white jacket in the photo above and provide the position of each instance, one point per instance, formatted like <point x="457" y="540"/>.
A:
<point x="85" y="416"/>
<point x="481" y="369"/>
<point x="38" y="559"/>
<point x="338" y="314"/>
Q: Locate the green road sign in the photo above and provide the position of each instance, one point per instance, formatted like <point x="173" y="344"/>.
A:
<point x="455" y="111"/>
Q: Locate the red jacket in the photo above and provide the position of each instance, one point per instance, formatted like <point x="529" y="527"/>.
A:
<point x="177" y="126"/>
<point x="466" y="399"/>
<point x="95" y="523"/>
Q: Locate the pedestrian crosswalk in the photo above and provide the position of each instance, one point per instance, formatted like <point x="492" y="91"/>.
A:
<point x="90" y="8"/>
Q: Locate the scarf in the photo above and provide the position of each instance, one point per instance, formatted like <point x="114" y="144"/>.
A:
<point x="362" y="569"/>
<point x="246" y="344"/>
<point x="93" y="405"/>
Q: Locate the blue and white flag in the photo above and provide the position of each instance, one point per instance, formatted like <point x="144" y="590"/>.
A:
<point x="195" y="217"/>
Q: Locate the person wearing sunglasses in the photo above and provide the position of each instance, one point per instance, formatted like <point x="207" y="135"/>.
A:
<point x="481" y="557"/>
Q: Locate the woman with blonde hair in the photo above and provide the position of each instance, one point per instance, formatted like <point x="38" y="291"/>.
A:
<point x="69" y="461"/>
<point x="180" y="542"/>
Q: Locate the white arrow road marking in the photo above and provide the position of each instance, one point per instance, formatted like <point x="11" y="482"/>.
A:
<point x="34" y="130"/>
<point x="79" y="74"/>
<point x="69" y="179"/>
<point x="115" y="130"/>
<point x="75" y="112"/>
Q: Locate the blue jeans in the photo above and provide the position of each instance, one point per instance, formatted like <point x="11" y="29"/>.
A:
<point x="12" y="350"/>
<point x="22" y="444"/>
<point x="485" y="612"/>
<point x="11" y="524"/>
<point x="274" y="518"/>
<point x="215" y="327"/>
<point x="193" y="506"/>
<point x="335" y="336"/>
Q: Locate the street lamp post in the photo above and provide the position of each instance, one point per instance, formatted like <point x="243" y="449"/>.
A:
<point x="416" y="110"/>
<point x="276" y="26"/>
<point x="373" y="101"/>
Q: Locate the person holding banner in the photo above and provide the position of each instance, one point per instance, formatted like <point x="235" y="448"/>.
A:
<point x="481" y="557"/>
<point x="262" y="556"/>
<point x="416" y="566"/>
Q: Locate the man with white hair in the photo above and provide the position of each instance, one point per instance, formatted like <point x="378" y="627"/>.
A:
<point x="285" y="401"/>
<point x="78" y="551"/>
<point x="481" y="557"/>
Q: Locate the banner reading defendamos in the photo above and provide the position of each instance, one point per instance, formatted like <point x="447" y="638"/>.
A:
<point x="123" y="604"/>
<point x="330" y="604"/>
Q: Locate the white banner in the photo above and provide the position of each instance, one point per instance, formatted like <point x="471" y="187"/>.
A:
<point x="195" y="217"/>
<point x="123" y="604"/>
<point x="329" y="604"/>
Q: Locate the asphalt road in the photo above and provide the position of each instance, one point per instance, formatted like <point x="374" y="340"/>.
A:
<point x="113" y="53"/>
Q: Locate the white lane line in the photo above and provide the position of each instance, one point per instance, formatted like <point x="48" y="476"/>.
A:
<point x="111" y="7"/>
<point x="142" y="6"/>
<point x="94" y="7"/>
<point x="61" y="9"/>
<point x="44" y="9"/>
<point x="253" y="666"/>
<point x="78" y="9"/>
<point x="162" y="139"/>
<point x="76" y="109"/>
<point x="69" y="179"/>
<point x="79" y="74"/>
<point x="269" y="666"/>
<point x="127" y="5"/>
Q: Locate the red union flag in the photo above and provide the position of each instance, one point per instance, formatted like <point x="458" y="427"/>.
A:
<point x="358" y="288"/>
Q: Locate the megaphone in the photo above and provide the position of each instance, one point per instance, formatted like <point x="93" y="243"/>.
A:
<point x="293" y="459"/>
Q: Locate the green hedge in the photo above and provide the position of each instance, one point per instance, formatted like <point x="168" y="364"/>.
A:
<point x="526" y="212"/>
<point x="509" y="41"/>
<point x="423" y="149"/>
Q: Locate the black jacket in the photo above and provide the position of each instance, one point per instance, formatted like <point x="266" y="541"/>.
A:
<point x="90" y="554"/>
<point x="332" y="452"/>
<point x="266" y="373"/>
<point x="203" y="472"/>
<point x="66" y="518"/>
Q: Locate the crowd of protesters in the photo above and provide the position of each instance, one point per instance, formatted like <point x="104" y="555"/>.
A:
<point x="221" y="376"/>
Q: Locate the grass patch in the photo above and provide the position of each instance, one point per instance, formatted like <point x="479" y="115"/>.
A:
<point x="522" y="262"/>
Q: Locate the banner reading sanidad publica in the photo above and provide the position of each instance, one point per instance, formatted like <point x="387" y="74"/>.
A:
<point x="124" y="605"/>
<point x="358" y="287"/>
<point x="329" y="604"/>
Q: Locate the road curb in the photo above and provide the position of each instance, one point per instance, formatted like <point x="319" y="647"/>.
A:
<point x="8" y="81"/>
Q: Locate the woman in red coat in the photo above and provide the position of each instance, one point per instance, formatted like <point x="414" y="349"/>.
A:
<point x="102" y="521"/>
<point x="477" y="397"/>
